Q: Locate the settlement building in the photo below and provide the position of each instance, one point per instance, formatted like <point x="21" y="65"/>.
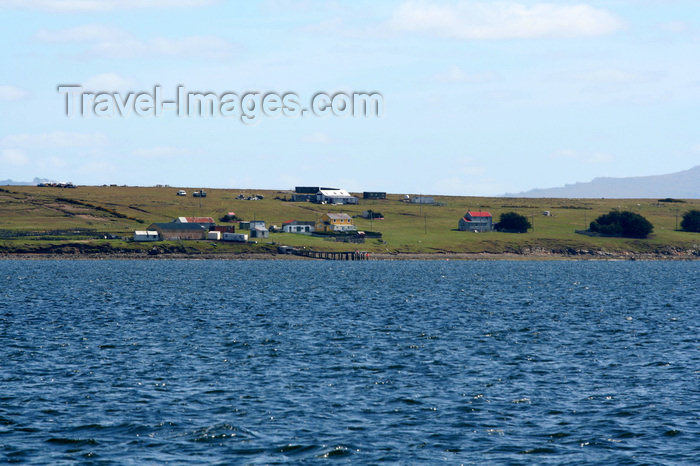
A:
<point x="204" y="221"/>
<point x="148" y="235"/>
<point x="373" y="195"/>
<point x="179" y="231"/>
<point x="296" y="226"/>
<point x="335" y="223"/>
<point x="305" y="193"/>
<point x="236" y="237"/>
<point x="422" y="200"/>
<point x="335" y="196"/>
<point x="370" y="214"/>
<point x="476" y="221"/>
<point x="258" y="231"/>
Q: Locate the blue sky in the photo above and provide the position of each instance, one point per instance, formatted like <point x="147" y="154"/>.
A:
<point x="480" y="98"/>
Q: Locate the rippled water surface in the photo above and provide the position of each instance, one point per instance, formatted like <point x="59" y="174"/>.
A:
<point x="411" y="362"/>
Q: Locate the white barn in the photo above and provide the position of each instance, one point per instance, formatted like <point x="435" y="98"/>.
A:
<point x="335" y="196"/>
<point x="146" y="235"/>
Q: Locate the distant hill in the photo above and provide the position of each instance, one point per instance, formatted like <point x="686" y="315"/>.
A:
<point x="683" y="185"/>
<point x="24" y="183"/>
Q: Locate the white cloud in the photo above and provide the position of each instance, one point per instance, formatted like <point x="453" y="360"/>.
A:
<point x="96" y="6"/>
<point x="55" y="139"/>
<point x="587" y="157"/>
<point x="319" y="138"/>
<point x="85" y="33"/>
<point x="162" y="152"/>
<point x="112" y="42"/>
<point x="99" y="168"/>
<point x="457" y="75"/>
<point x="607" y="75"/>
<point x="12" y="93"/>
<point x="51" y="163"/>
<point x="502" y="20"/>
<point x="107" y="82"/>
<point x="193" y="46"/>
<point x="13" y="157"/>
<point x="676" y="27"/>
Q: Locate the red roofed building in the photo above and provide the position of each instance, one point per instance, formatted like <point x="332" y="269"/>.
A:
<point x="476" y="221"/>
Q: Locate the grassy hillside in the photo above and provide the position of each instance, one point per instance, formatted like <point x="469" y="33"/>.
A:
<point x="54" y="214"/>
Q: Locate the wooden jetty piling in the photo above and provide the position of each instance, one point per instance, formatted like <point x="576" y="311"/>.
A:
<point x="325" y="255"/>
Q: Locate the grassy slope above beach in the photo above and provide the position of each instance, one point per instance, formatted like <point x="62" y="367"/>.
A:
<point x="407" y="228"/>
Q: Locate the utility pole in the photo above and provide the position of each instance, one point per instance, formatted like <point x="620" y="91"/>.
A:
<point x="425" y="223"/>
<point x="676" y="219"/>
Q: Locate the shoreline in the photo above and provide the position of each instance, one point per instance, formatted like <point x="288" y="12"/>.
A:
<point x="483" y="256"/>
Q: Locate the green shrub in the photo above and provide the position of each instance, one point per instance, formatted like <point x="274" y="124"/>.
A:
<point x="513" y="222"/>
<point x="623" y="223"/>
<point x="691" y="221"/>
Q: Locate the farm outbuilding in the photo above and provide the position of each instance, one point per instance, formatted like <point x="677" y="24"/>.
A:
<point x="373" y="195"/>
<point x="205" y="221"/>
<point x="179" y="231"/>
<point x="235" y="237"/>
<point x="259" y="232"/>
<point x="335" y="196"/>
<point x="147" y="235"/>
<point x="422" y="200"/>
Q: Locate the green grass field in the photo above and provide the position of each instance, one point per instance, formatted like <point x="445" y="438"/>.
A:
<point x="407" y="228"/>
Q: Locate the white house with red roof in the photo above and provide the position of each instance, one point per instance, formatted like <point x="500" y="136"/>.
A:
<point x="476" y="221"/>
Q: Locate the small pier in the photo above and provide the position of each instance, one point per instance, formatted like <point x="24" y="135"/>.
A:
<point x="325" y="255"/>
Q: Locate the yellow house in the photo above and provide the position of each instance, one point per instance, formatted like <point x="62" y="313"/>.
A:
<point x="335" y="222"/>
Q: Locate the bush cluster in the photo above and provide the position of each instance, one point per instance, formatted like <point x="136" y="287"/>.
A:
<point x="691" y="221"/>
<point x="622" y="223"/>
<point x="513" y="222"/>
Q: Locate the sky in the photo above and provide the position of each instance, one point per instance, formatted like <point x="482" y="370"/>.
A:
<point x="479" y="97"/>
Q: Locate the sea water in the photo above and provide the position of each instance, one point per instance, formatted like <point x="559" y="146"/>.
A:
<point x="133" y="362"/>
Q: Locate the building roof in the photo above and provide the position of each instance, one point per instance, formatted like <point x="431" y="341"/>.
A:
<point x="334" y="193"/>
<point x="478" y="214"/>
<point x="298" y="222"/>
<point x="146" y="233"/>
<point x="339" y="216"/>
<point x="310" y="189"/>
<point x="199" y="219"/>
<point x="174" y="226"/>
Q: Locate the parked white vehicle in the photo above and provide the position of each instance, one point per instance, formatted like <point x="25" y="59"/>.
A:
<point x="182" y="193"/>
